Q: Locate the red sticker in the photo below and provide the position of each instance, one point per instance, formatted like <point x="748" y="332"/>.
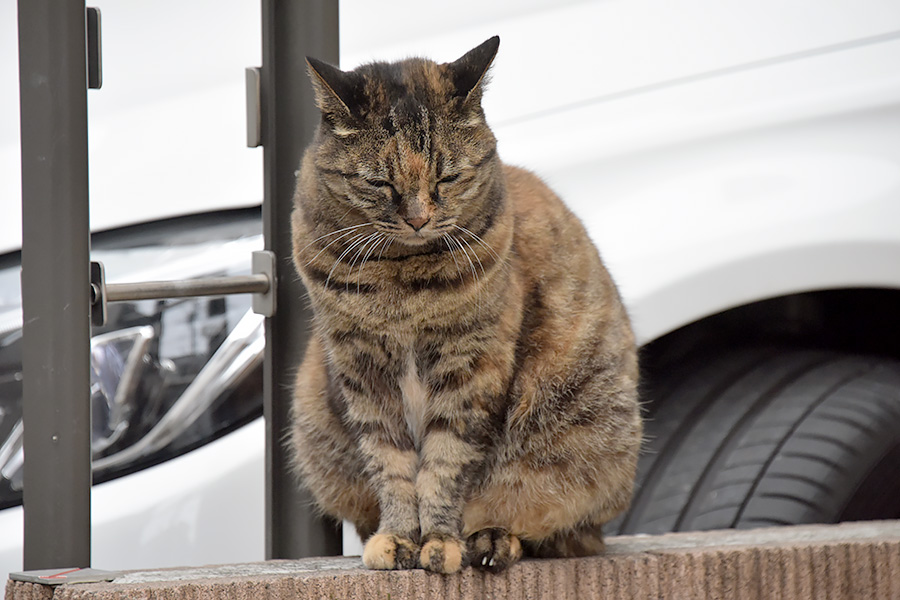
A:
<point x="60" y="575"/>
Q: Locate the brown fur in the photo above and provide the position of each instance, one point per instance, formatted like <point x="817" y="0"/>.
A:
<point x="471" y="379"/>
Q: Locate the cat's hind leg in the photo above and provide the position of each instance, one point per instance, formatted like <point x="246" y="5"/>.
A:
<point x="583" y="540"/>
<point x="493" y="549"/>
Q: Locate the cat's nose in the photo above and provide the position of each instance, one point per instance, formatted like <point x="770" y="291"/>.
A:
<point x="418" y="222"/>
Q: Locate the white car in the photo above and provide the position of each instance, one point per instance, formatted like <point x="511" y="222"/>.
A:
<point x="737" y="164"/>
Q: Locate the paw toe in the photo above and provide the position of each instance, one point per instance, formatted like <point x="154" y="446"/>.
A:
<point x="388" y="551"/>
<point x="442" y="554"/>
<point x="493" y="549"/>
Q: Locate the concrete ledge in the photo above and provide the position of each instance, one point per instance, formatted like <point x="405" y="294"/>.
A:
<point x="852" y="561"/>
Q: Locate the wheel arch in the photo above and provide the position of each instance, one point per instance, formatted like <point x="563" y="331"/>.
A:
<point x="841" y="295"/>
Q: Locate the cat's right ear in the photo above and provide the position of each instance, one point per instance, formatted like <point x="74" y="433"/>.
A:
<point x="339" y="94"/>
<point x="470" y="69"/>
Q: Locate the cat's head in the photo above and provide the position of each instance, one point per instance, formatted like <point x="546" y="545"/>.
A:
<point x="405" y="145"/>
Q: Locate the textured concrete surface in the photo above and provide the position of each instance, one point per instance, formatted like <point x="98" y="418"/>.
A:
<point x="852" y="561"/>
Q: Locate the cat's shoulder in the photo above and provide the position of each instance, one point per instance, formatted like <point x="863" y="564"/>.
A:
<point x="532" y="199"/>
<point x="520" y="179"/>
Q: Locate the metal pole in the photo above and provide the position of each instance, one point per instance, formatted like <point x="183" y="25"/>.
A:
<point x="292" y="29"/>
<point x="55" y="284"/>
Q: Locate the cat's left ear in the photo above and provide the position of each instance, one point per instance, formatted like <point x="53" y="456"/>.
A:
<point x="469" y="71"/>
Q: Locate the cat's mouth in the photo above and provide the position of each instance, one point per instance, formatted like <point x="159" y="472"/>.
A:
<point x="408" y="235"/>
<point x="418" y="238"/>
<point x="419" y="233"/>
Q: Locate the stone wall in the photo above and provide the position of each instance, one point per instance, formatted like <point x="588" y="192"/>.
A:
<point x="853" y="561"/>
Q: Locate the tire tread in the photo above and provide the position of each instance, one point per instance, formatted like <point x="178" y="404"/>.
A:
<point x="804" y="420"/>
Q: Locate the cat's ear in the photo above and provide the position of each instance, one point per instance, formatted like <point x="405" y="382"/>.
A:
<point x="339" y="94"/>
<point x="469" y="71"/>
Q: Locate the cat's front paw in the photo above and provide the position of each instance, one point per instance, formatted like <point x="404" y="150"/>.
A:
<point x="442" y="553"/>
<point x="493" y="549"/>
<point x="388" y="551"/>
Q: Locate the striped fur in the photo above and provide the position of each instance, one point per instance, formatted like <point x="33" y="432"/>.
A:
<point x="469" y="390"/>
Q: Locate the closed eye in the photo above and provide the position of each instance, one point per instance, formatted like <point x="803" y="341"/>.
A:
<point x="379" y="183"/>
<point x="449" y="178"/>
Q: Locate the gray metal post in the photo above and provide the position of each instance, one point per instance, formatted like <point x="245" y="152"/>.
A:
<point x="55" y="284"/>
<point x="292" y="29"/>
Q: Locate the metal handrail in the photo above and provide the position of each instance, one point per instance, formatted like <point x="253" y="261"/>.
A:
<point x="57" y="293"/>
<point x="261" y="284"/>
<point x="186" y="288"/>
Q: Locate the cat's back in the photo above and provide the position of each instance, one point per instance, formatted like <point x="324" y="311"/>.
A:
<point x="571" y="308"/>
<point x="541" y="217"/>
<point x="552" y="243"/>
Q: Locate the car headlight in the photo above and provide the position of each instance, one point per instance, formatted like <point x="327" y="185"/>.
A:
<point x="167" y="376"/>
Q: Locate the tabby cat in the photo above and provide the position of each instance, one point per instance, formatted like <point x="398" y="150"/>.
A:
<point x="469" y="391"/>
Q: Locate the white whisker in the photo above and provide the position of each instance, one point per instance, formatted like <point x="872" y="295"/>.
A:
<point x="446" y="237"/>
<point x="335" y="240"/>
<point x="472" y="267"/>
<point x="471" y="264"/>
<point x="378" y="240"/>
<point x="484" y="244"/>
<point x="475" y="254"/>
<point x="373" y="237"/>
<point x="355" y="241"/>
<point x="322" y="237"/>
<point x="390" y="240"/>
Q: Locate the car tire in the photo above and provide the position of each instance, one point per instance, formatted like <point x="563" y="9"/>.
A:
<point x="769" y="436"/>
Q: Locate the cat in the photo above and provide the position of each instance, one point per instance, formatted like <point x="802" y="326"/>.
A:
<point x="468" y="393"/>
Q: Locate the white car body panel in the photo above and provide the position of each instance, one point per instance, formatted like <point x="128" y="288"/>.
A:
<point x="167" y="131"/>
<point x="729" y="210"/>
<point x="719" y="153"/>
<point x="204" y="507"/>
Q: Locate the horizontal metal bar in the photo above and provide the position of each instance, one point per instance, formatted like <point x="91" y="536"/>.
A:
<point x="212" y="286"/>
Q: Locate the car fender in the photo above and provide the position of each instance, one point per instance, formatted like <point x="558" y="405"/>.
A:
<point x="713" y="288"/>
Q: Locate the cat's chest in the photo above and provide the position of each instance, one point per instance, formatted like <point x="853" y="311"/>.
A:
<point x="415" y="398"/>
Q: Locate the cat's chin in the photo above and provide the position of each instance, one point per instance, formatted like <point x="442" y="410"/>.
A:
<point x="416" y="240"/>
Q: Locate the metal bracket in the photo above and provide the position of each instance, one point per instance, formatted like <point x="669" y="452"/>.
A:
<point x="98" y="294"/>
<point x="261" y="284"/>
<point x="94" y="57"/>
<point x="263" y="263"/>
<point x="254" y="116"/>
